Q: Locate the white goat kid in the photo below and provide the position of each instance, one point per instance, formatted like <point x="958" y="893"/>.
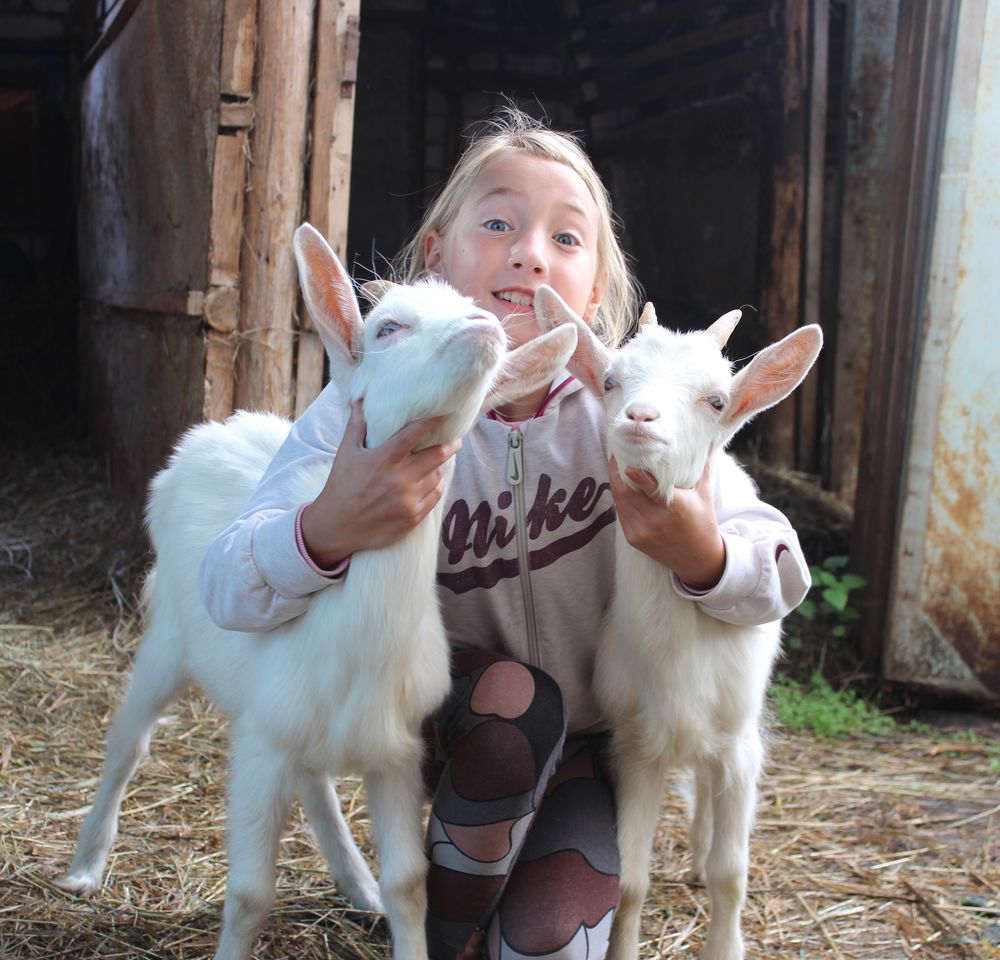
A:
<point x="345" y="686"/>
<point x="680" y="688"/>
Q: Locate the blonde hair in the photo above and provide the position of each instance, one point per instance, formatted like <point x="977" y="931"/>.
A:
<point x="511" y="129"/>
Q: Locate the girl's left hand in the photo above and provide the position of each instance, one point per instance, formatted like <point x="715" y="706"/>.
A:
<point x="683" y="536"/>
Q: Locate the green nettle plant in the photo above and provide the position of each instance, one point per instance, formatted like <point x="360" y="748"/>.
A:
<point x="834" y="585"/>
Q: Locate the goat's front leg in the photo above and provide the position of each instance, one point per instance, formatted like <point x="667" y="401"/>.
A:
<point x="395" y="797"/>
<point x="348" y="867"/>
<point x="260" y="794"/>
<point x="638" y="791"/>
<point x="734" y="796"/>
<point x="156" y="681"/>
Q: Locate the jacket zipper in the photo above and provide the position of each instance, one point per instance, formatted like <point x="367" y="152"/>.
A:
<point x="515" y="477"/>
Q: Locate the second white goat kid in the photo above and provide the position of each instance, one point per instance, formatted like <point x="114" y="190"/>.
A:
<point x="346" y="686"/>
<point x="681" y="688"/>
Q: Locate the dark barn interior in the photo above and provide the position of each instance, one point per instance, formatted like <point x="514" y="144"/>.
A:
<point x="753" y="149"/>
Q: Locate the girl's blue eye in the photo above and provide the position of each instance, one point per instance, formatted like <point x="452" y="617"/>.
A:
<point x="496" y="226"/>
<point x="566" y="239"/>
<point x="610" y="383"/>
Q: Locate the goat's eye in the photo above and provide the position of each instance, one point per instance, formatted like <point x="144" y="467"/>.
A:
<point x="610" y="383"/>
<point x="388" y="328"/>
<point x="716" y="402"/>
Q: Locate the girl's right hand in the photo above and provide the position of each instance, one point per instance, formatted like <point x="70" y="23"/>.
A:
<point x="375" y="497"/>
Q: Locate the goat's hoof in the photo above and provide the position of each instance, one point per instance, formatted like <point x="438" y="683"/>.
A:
<point x="366" y="899"/>
<point x="81" y="884"/>
<point x="695" y="877"/>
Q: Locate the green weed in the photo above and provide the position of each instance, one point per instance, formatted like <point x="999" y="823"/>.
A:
<point x="818" y="708"/>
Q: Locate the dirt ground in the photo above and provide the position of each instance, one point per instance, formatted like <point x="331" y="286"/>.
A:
<point x="876" y="848"/>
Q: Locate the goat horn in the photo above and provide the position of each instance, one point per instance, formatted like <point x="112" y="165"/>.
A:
<point x="648" y="316"/>
<point x="375" y="290"/>
<point x="722" y="329"/>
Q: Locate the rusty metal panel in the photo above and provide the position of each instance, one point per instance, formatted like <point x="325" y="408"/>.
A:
<point x="945" y="616"/>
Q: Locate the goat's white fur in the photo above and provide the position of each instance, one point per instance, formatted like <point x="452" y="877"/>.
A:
<point x="345" y="686"/>
<point x="680" y="688"/>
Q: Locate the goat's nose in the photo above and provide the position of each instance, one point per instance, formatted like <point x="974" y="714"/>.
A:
<point x="642" y="412"/>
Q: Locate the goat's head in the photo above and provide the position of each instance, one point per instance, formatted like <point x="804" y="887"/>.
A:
<point x="672" y="398"/>
<point x="423" y="350"/>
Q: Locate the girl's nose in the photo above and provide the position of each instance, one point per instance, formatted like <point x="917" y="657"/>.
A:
<point x="528" y="254"/>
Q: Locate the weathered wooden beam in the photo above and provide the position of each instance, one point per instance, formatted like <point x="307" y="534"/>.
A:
<point x="219" y="375"/>
<point x="338" y="37"/>
<point x="807" y="452"/>
<point x="781" y="286"/>
<point x="239" y="39"/>
<point x="228" y="188"/>
<point x="277" y="150"/>
<point x="872" y="35"/>
<point x="187" y="303"/>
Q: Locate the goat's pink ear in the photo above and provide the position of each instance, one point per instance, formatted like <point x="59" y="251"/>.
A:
<point x="591" y="358"/>
<point x="532" y="365"/>
<point x="773" y="374"/>
<point x="329" y="296"/>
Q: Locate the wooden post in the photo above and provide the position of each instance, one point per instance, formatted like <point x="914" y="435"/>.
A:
<point x="337" y="42"/>
<point x="781" y="288"/>
<point x="277" y="148"/>
<point x="807" y="396"/>
<point x="229" y="178"/>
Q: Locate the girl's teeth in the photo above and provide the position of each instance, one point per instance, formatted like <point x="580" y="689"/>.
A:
<point x="519" y="299"/>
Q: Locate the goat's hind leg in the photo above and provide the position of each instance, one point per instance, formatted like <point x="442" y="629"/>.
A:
<point x="353" y="877"/>
<point x="395" y="798"/>
<point x="638" y="791"/>
<point x="260" y="795"/>
<point x="157" y="680"/>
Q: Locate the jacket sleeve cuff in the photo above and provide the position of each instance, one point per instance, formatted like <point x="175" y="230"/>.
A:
<point x="336" y="571"/>
<point x="276" y="554"/>
<point x="739" y="579"/>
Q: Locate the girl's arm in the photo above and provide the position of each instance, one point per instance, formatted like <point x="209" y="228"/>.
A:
<point x="263" y="569"/>
<point x="733" y="553"/>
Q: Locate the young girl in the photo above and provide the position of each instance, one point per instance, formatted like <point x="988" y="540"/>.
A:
<point x="521" y="836"/>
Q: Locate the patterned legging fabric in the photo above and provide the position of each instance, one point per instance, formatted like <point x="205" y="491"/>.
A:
<point x="521" y="839"/>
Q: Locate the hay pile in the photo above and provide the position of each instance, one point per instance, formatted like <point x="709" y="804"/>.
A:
<point x="870" y="848"/>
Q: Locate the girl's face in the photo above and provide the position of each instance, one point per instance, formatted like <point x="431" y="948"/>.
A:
<point x="525" y="221"/>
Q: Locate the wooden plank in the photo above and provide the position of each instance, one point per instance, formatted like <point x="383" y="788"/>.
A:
<point x="228" y="190"/>
<point x="239" y="37"/>
<point x="240" y="114"/>
<point x="220" y="375"/>
<point x="672" y="87"/>
<point x="872" y="40"/>
<point x="309" y="369"/>
<point x="337" y="39"/>
<point x="184" y="304"/>
<point x="277" y="147"/>
<point x="781" y="286"/>
<point x="222" y="309"/>
<point x="113" y="26"/>
<point x="808" y="454"/>
<point x="643" y="53"/>
<point x="337" y="46"/>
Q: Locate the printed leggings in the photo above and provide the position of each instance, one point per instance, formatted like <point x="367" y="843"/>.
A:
<point x="521" y="839"/>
